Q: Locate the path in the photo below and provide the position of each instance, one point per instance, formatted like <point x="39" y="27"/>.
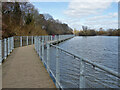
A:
<point x="24" y="69"/>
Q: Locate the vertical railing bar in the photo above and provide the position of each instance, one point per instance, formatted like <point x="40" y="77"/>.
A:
<point x="35" y="42"/>
<point x="57" y="68"/>
<point x="0" y="52"/>
<point x="11" y="44"/>
<point x="27" y="40"/>
<point x="20" y="41"/>
<point x="43" y="50"/>
<point x="32" y="40"/>
<point x="5" y="49"/>
<point x="82" y="81"/>
<point x="8" y="46"/>
<point x="39" y="45"/>
<point x="48" y="57"/>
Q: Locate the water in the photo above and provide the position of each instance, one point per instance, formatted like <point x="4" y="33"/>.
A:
<point x="99" y="49"/>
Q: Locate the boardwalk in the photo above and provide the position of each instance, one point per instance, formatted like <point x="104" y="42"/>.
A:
<point x="23" y="69"/>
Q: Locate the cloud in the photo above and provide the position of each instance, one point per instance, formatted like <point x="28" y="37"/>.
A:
<point x="90" y="12"/>
<point x="83" y="8"/>
<point x="49" y="0"/>
<point x="106" y="21"/>
<point x="104" y="17"/>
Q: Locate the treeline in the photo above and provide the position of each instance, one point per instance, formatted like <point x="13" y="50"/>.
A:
<point x="92" y="32"/>
<point x="22" y="18"/>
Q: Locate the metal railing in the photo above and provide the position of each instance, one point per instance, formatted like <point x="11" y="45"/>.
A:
<point x="8" y="44"/>
<point x="40" y="46"/>
<point x="6" y="47"/>
<point x="66" y="69"/>
<point x="72" y="71"/>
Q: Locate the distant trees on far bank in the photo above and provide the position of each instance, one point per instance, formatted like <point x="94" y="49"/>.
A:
<point x="92" y="32"/>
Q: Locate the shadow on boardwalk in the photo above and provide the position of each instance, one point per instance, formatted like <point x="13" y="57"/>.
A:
<point x="23" y="69"/>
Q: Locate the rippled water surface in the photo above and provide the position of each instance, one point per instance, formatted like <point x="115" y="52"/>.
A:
<point x="99" y="49"/>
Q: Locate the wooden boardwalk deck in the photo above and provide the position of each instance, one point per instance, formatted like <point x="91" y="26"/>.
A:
<point x="24" y="69"/>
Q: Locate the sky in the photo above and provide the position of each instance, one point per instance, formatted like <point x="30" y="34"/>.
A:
<point x="77" y="13"/>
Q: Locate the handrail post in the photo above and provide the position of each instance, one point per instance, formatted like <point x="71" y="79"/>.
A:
<point x="8" y="46"/>
<point x="50" y="37"/>
<point x="57" y="68"/>
<point x="32" y="40"/>
<point x="47" y="38"/>
<point x="36" y="43"/>
<point x="0" y="52"/>
<point x="43" y="50"/>
<point x="21" y="41"/>
<point x="39" y="46"/>
<point x="48" y="57"/>
<point x="27" y="40"/>
<point x="82" y="80"/>
<point x="12" y="43"/>
<point x="5" y="49"/>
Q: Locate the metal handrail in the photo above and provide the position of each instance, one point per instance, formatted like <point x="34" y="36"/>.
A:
<point x="90" y="62"/>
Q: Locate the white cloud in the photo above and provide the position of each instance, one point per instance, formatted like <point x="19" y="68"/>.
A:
<point x="79" y="10"/>
<point x="82" y="8"/>
<point x="105" y="21"/>
<point x="104" y="17"/>
<point x="49" y="0"/>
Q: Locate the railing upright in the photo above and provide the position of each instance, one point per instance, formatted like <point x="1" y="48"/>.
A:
<point x="32" y="40"/>
<point x="0" y="52"/>
<point x="51" y="38"/>
<point x="12" y="43"/>
<point x="20" y="41"/>
<point x="43" y="50"/>
<point x="57" y="68"/>
<point x="35" y="43"/>
<point x="27" y="40"/>
<point x="48" y="57"/>
<point x="8" y="46"/>
<point x="5" y="49"/>
<point x="82" y="79"/>
<point x="39" y="46"/>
